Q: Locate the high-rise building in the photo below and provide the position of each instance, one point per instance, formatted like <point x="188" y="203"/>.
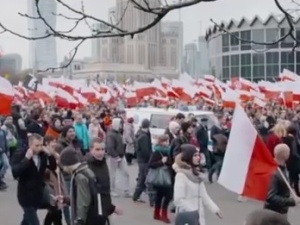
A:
<point x="142" y="48"/>
<point x="10" y="64"/>
<point x="171" y="44"/>
<point x="204" y="67"/>
<point x="192" y="59"/>
<point x="43" y="53"/>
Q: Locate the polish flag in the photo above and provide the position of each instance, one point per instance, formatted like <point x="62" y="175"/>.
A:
<point x="248" y="164"/>
<point x="7" y="94"/>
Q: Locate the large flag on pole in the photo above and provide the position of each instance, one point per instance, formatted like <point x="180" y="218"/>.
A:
<point x="248" y="164"/>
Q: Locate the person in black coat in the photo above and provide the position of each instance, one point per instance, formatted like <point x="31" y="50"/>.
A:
<point x="203" y="139"/>
<point x="97" y="163"/>
<point x="35" y="126"/>
<point x="293" y="162"/>
<point x="29" y="169"/>
<point x="279" y="198"/>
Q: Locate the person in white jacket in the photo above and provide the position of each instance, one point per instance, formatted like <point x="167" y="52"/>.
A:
<point x="189" y="190"/>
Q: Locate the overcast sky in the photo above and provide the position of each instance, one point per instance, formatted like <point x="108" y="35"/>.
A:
<point x="196" y="20"/>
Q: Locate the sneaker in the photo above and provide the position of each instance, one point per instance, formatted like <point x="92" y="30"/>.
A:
<point x="114" y="194"/>
<point x="139" y="200"/>
<point x="127" y="194"/>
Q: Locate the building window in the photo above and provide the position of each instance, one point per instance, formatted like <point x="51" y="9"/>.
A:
<point x="272" y="35"/>
<point x="225" y="61"/>
<point x="164" y="41"/>
<point x="246" y="59"/>
<point x="288" y="61"/>
<point x="234" y="41"/>
<point x="298" y="62"/>
<point x="258" y="66"/>
<point x="226" y="67"/>
<point x="246" y="36"/>
<point x="272" y="62"/>
<point x="173" y="57"/>
<point x="173" y="41"/>
<point x="288" y="42"/>
<point x="272" y="57"/>
<point x="235" y="65"/>
<point x="225" y="42"/>
<point x="246" y="66"/>
<point x="258" y="36"/>
<point x="226" y="73"/>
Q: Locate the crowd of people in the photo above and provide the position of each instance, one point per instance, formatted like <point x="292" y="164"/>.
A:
<point x="66" y="162"/>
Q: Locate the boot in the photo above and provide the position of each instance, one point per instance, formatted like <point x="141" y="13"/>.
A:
<point x="164" y="216"/>
<point x="156" y="214"/>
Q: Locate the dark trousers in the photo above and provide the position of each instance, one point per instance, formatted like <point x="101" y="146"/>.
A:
<point x="140" y="185"/>
<point x="215" y="168"/>
<point x="163" y="198"/>
<point x="129" y="158"/>
<point x="66" y="209"/>
<point x="294" y="181"/>
<point x="208" y="156"/>
<point x="53" y="217"/>
<point x="30" y="216"/>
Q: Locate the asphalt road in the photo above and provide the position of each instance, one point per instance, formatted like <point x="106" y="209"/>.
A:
<point x="135" y="213"/>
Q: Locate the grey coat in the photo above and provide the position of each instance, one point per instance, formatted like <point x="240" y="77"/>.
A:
<point x="129" y="138"/>
<point x="80" y="194"/>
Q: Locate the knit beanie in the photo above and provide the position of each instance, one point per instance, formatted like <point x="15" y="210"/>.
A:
<point x="145" y="124"/>
<point x="69" y="157"/>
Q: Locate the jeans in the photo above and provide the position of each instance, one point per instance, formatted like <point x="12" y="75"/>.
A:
<point x="66" y="209"/>
<point x="30" y="216"/>
<point x="53" y="217"/>
<point x="122" y="167"/>
<point x="164" y="196"/>
<point x="4" y="165"/>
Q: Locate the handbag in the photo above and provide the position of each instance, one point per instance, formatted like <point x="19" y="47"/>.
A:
<point x="159" y="177"/>
<point x="47" y="199"/>
<point x="189" y="217"/>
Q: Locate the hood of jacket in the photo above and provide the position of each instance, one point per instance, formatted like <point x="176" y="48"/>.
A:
<point x="116" y="124"/>
<point x="179" y="164"/>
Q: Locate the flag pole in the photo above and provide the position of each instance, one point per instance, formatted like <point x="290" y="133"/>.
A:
<point x="287" y="184"/>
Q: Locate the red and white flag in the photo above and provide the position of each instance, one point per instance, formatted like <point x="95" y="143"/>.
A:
<point x="7" y="94"/>
<point x="248" y="164"/>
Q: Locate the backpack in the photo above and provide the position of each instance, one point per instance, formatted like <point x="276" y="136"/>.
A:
<point x="95" y="213"/>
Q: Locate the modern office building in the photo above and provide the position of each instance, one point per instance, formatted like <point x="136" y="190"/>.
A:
<point x="10" y="64"/>
<point x="241" y="51"/>
<point x="157" y="47"/>
<point x="43" y="53"/>
<point x="192" y="60"/>
<point x="203" y="57"/>
<point x="171" y="45"/>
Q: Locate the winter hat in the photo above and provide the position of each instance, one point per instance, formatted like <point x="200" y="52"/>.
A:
<point x="185" y="126"/>
<point x="69" y="157"/>
<point x="65" y="130"/>
<point x="187" y="153"/>
<point x="174" y="127"/>
<point x="145" y="124"/>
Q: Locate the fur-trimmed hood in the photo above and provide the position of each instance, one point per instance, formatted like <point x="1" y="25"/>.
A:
<point x="179" y="164"/>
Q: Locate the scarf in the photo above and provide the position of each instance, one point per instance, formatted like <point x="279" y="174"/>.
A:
<point x="191" y="176"/>
<point x="162" y="149"/>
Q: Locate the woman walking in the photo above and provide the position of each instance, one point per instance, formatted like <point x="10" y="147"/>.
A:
<point x="161" y="158"/>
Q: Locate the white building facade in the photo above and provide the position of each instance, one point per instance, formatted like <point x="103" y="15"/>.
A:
<point x="43" y="52"/>
<point x="232" y="54"/>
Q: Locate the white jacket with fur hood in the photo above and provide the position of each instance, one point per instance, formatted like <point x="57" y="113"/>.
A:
<point x="189" y="191"/>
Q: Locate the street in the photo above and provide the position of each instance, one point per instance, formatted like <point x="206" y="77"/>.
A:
<point x="135" y="213"/>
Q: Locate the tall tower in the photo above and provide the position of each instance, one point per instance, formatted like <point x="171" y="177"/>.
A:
<point x="43" y="53"/>
<point x="143" y="49"/>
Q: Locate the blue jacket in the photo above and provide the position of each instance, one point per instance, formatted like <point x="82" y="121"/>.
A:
<point x="82" y="134"/>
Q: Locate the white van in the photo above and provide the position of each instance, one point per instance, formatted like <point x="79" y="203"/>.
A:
<point x="160" y="118"/>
